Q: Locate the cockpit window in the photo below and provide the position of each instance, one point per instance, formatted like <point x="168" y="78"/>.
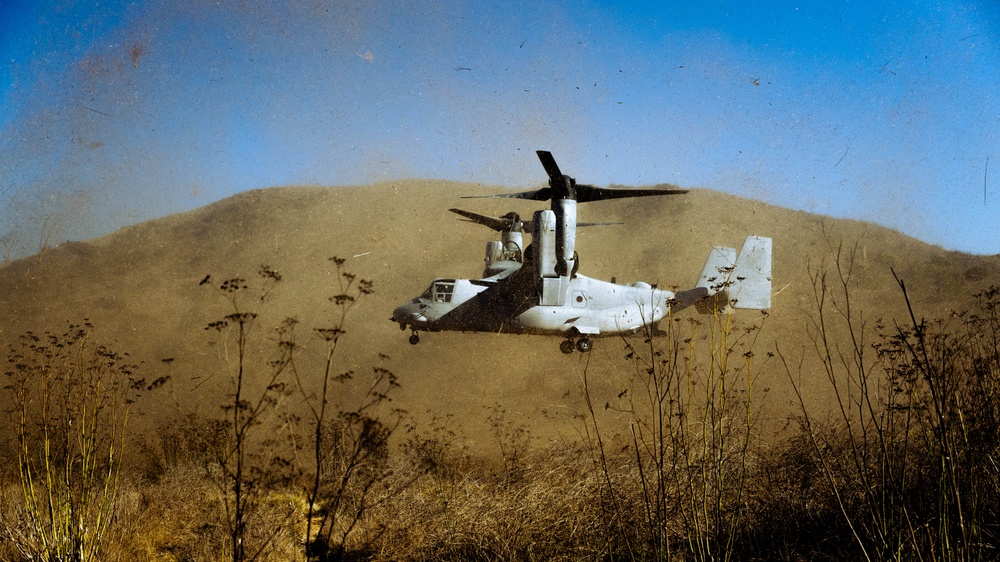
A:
<point x="440" y="291"/>
<point x="443" y="292"/>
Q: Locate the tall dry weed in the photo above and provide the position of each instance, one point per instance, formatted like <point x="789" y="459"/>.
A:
<point x="908" y="459"/>
<point x="70" y="400"/>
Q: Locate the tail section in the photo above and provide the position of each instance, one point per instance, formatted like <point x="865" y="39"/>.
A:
<point x="731" y="280"/>
<point x="751" y="278"/>
<point x="718" y="268"/>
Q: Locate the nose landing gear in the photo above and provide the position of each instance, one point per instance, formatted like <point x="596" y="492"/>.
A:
<point x="414" y="338"/>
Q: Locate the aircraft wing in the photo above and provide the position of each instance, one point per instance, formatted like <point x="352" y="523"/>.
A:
<point x="496" y="308"/>
<point x="501" y="224"/>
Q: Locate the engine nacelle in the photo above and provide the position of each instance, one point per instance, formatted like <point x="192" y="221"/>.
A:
<point x="543" y="237"/>
<point x="494" y="252"/>
<point x="513" y="245"/>
<point x="566" y="238"/>
<point x="552" y="287"/>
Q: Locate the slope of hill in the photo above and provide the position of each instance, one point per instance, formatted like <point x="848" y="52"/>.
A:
<point x="140" y="287"/>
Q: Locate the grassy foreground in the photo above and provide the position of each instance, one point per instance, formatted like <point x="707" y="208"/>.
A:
<point x="673" y="467"/>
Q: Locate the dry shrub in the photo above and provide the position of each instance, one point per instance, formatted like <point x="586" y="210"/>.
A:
<point x="551" y="512"/>
<point x="183" y="441"/>
<point x="70" y="399"/>
<point x="181" y="516"/>
<point x="791" y="509"/>
<point x="909" y="457"/>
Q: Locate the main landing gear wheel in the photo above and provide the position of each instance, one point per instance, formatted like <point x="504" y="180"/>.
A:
<point x="583" y="345"/>
<point x="414" y="339"/>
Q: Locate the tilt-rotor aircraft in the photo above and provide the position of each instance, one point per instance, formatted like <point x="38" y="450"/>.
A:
<point x="537" y="289"/>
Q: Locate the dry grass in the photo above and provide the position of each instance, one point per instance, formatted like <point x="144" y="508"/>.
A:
<point x="550" y="511"/>
<point x="556" y="507"/>
<point x="182" y="517"/>
<point x="546" y="513"/>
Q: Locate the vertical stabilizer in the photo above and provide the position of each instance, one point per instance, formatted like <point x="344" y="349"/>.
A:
<point x="751" y="278"/>
<point x="715" y="274"/>
<point x="731" y="281"/>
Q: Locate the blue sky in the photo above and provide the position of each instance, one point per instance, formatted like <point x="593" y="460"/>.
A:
<point x="115" y="112"/>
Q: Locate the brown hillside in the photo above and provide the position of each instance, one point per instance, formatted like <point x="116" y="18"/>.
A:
<point x="140" y="287"/>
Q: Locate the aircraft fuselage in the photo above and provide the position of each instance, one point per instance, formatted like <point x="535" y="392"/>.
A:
<point x="591" y="307"/>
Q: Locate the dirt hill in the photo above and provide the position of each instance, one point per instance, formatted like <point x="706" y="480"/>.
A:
<point x="141" y="287"/>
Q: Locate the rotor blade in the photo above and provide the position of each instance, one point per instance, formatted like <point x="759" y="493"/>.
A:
<point x="543" y="194"/>
<point x="496" y="224"/>
<point x="598" y="223"/>
<point x="585" y="193"/>
<point x="499" y="224"/>
<point x="549" y="163"/>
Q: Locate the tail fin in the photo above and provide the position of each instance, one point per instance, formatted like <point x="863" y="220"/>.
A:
<point x="739" y="282"/>
<point x="720" y="264"/>
<point x="752" y="275"/>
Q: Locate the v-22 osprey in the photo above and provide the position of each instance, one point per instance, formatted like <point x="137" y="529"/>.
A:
<point x="538" y="290"/>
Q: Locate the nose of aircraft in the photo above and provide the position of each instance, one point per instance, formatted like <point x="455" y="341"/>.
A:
<point x="409" y="314"/>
